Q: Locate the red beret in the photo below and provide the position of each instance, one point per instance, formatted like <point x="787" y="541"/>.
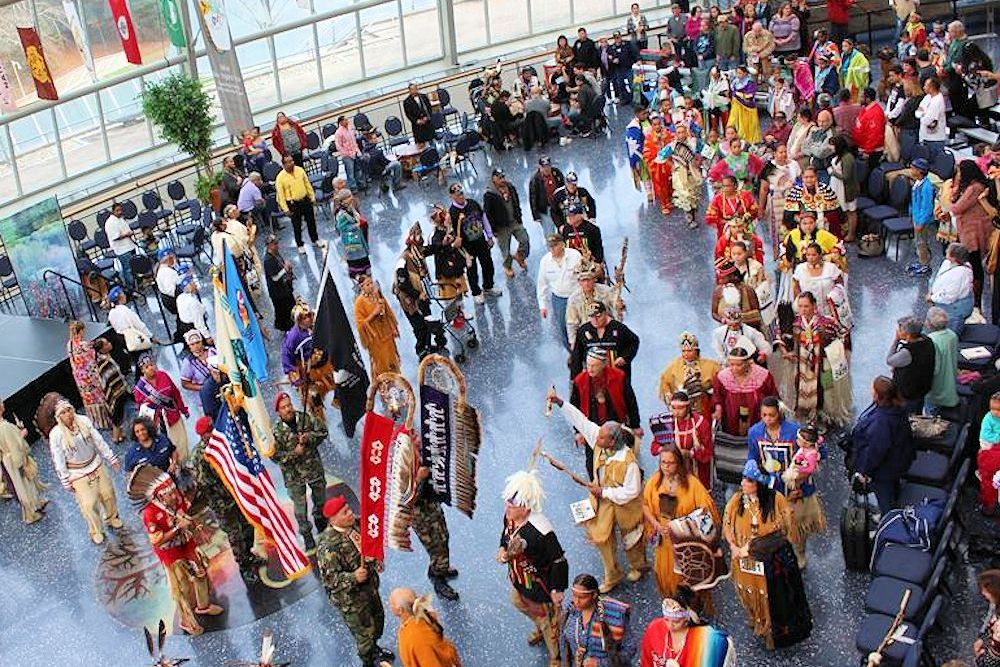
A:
<point x="277" y="399"/>
<point x="333" y="505"/>
<point x="203" y="425"/>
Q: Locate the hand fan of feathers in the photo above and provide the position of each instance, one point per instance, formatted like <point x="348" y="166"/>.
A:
<point x="156" y="649"/>
<point x="266" y="655"/>
<point x="398" y="403"/>
<point x="450" y="433"/>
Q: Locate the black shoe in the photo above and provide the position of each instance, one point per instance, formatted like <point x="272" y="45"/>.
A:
<point x="250" y="576"/>
<point x="443" y="590"/>
<point x="385" y="654"/>
<point x="309" y="541"/>
<point x="450" y="573"/>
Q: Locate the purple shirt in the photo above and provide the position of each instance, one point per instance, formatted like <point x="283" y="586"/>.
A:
<point x="249" y="196"/>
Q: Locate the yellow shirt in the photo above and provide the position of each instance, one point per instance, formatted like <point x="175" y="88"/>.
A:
<point x="293" y="187"/>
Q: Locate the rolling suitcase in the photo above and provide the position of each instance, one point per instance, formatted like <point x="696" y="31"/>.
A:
<point x="858" y="523"/>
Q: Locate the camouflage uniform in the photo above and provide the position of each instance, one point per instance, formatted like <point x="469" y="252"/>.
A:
<point x="430" y="527"/>
<point x="212" y="493"/>
<point x="337" y="557"/>
<point x="302" y="470"/>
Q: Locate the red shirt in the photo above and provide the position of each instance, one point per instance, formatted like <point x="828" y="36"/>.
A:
<point x="157" y="520"/>
<point x="837" y="11"/>
<point x="869" y="128"/>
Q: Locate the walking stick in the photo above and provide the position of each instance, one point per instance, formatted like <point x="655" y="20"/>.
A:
<point x="561" y="467"/>
<point x="875" y="657"/>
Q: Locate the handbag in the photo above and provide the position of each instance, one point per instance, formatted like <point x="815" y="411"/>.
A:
<point x="136" y="341"/>
<point x="763" y="547"/>
<point x="870" y="245"/>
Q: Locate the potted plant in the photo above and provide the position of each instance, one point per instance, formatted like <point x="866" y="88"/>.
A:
<point x="181" y="109"/>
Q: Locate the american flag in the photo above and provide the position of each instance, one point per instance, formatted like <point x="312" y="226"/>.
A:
<point x="232" y="453"/>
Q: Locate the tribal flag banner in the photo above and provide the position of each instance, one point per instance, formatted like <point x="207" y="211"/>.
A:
<point x="376" y="441"/>
<point x="450" y="434"/>
<point x="123" y="23"/>
<point x="173" y="23"/>
<point x="231" y="452"/>
<point x="80" y="36"/>
<point x="237" y="354"/>
<point x="33" y="53"/>
<point x="389" y="465"/>
<point x="7" y="102"/>
<point x="214" y="13"/>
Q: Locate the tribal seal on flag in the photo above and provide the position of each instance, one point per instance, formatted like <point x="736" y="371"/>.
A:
<point x="698" y="558"/>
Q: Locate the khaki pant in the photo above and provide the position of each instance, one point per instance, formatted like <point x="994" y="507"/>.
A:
<point x="544" y="616"/>
<point x="189" y="590"/>
<point x="178" y="435"/>
<point x="93" y="492"/>
<point x="608" y="551"/>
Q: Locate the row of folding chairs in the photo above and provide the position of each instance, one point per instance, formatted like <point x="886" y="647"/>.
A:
<point x="937" y="475"/>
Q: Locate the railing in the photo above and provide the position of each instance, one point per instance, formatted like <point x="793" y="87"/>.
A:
<point x="69" y="301"/>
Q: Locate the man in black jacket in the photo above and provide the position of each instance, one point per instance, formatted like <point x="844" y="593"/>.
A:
<point x="570" y="194"/>
<point x="584" y="236"/>
<point x="475" y="236"/>
<point x="541" y="193"/>
<point x="911" y="358"/>
<point x="620" y="69"/>
<point x="417" y="108"/>
<point x="585" y="53"/>
<point x="610" y="336"/>
<point x="502" y="206"/>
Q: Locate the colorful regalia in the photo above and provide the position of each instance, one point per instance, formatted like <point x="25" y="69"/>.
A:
<point x="740" y="397"/>
<point x="725" y="208"/>
<point x="164" y="398"/>
<point x="822" y="201"/>
<point x="378" y="333"/>
<point x="86" y="373"/>
<point x="820" y="392"/>
<point x="855" y="73"/>
<point x="607" y="633"/>
<point x="704" y="646"/>
<point x="21" y="471"/>
<point x="738" y="230"/>
<point x="634" y="141"/>
<point x="668" y="500"/>
<point x="657" y="138"/>
<point x="686" y="177"/>
<point x="771" y="590"/>
<point x="773" y="455"/>
<point x="744" y="167"/>
<point x="691" y="434"/>
<point x="694" y="377"/>
<point x="743" y="111"/>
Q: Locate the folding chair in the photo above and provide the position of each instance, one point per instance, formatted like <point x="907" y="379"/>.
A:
<point x="874" y="628"/>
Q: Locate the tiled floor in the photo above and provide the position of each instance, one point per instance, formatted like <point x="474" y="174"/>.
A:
<point x="49" y="613"/>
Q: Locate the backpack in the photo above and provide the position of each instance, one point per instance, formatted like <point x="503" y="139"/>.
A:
<point x="911" y="526"/>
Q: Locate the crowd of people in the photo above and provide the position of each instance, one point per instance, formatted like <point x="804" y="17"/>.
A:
<point x="748" y="116"/>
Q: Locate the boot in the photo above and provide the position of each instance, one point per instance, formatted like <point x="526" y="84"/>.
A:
<point x="386" y="654"/>
<point x="450" y="573"/>
<point x="443" y="590"/>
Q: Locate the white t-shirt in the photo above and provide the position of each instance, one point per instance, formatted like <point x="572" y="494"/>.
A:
<point x="555" y="277"/>
<point x="121" y="317"/>
<point x="115" y="227"/>
<point x="167" y="279"/>
<point x="932" y="109"/>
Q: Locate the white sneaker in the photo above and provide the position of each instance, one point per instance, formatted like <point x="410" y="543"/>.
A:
<point x="480" y="299"/>
<point x="564" y="140"/>
<point x="321" y="244"/>
<point x="302" y="250"/>
<point x="494" y="291"/>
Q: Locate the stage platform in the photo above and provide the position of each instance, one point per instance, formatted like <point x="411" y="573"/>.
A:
<point x="33" y="361"/>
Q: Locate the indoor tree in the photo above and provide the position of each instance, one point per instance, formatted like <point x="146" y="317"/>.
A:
<point x="181" y="110"/>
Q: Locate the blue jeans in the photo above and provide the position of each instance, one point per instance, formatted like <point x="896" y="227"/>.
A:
<point x="126" y="273"/>
<point x="726" y="63"/>
<point x="935" y="147"/>
<point x="886" y="491"/>
<point x="957" y="312"/>
<point x="350" y="171"/>
<point x="559" y="319"/>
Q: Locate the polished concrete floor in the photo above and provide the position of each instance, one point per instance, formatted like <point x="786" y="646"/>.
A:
<point x="52" y="601"/>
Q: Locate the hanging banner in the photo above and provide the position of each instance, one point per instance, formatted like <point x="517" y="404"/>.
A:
<point x="229" y="83"/>
<point x="214" y="14"/>
<point x="80" y="36"/>
<point x="174" y="25"/>
<point x="33" y="53"/>
<point x="123" y="22"/>
<point x="6" y="92"/>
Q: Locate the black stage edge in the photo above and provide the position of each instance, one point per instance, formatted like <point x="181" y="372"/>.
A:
<point x="33" y="362"/>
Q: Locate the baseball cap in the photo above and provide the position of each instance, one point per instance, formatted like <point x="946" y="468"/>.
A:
<point x="554" y="239"/>
<point x="544" y="161"/>
<point x="455" y="188"/>
<point x="499" y="172"/>
<point x="571" y="177"/>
